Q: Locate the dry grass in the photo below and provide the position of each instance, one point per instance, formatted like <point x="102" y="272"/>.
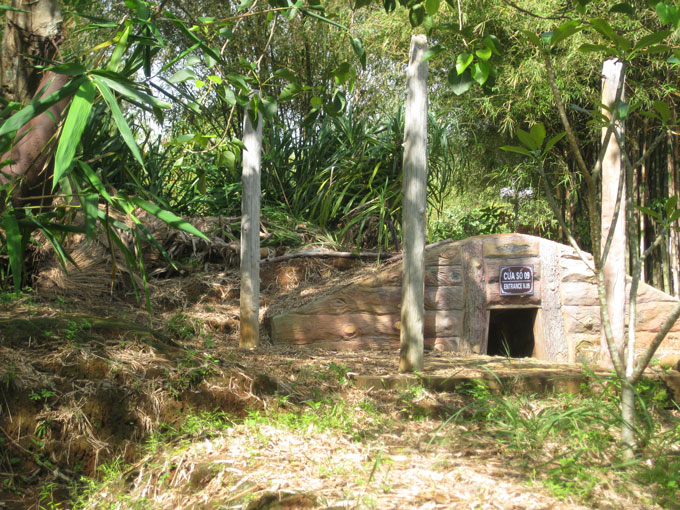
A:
<point x="130" y="401"/>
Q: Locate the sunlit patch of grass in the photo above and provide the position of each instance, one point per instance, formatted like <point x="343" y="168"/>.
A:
<point x="569" y="443"/>
<point x="314" y="417"/>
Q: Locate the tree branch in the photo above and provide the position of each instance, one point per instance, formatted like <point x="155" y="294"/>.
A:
<point x="530" y="13"/>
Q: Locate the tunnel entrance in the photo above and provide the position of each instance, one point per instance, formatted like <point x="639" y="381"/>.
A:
<point x="511" y="332"/>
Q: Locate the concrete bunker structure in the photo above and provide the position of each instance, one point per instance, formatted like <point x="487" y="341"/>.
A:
<point x="503" y="294"/>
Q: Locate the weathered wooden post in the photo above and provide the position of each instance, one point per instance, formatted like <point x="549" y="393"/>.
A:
<point x="612" y="175"/>
<point x="250" y="234"/>
<point x="413" y="209"/>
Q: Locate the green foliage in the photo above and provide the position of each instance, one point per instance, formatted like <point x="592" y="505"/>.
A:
<point x="568" y="441"/>
<point x="331" y="373"/>
<point x="42" y="395"/>
<point x="345" y="175"/>
<point x="183" y="327"/>
<point x="466" y="215"/>
<point x="460" y="222"/>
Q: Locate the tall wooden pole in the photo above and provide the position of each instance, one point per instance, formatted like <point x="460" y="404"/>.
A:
<point x="250" y="234"/>
<point x="413" y="209"/>
<point x="612" y="173"/>
<point x="674" y="260"/>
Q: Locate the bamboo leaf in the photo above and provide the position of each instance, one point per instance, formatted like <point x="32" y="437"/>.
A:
<point x="118" y="118"/>
<point x="168" y="217"/>
<point x="70" y="69"/>
<point x="206" y="49"/>
<point x="90" y="203"/>
<point x="94" y="180"/>
<point x="62" y="255"/>
<point x="74" y="125"/>
<point x="181" y="56"/>
<point x="663" y="110"/>
<point x="127" y="89"/>
<point x="517" y="149"/>
<point x="183" y="75"/>
<point x="36" y="107"/>
<point x="14" y="247"/>
<point x="121" y="47"/>
<point x="14" y="9"/>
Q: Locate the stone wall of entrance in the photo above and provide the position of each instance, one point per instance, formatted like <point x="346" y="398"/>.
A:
<point x="461" y="288"/>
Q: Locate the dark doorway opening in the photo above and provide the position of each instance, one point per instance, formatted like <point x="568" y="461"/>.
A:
<point x="511" y="332"/>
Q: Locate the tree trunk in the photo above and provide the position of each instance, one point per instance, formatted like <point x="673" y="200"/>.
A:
<point x="642" y="202"/>
<point x="31" y="158"/>
<point x="36" y="33"/>
<point x="614" y="267"/>
<point x="250" y="234"/>
<point x="414" y="207"/>
<point x="674" y="234"/>
<point x="28" y="39"/>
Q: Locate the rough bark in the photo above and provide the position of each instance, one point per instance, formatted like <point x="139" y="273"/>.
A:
<point x="250" y="234"/>
<point x="30" y="38"/>
<point x="36" y="33"/>
<point x="614" y="267"/>
<point x="414" y="204"/>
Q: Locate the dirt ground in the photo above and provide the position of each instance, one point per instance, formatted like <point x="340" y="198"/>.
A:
<point x="89" y="378"/>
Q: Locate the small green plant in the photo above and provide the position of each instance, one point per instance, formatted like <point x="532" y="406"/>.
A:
<point x="47" y="500"/>
<point x="41" y="395"/>
<point x="316" y="416"/>
<point x="184" y="327"/>
<point x="42" y="429"/>
<point x="206" y="422"/>
<point x="8" y="375"/>
<point x="330" y="373"/>
<point x="74" y="328"/>
<point x="334" y="373"/>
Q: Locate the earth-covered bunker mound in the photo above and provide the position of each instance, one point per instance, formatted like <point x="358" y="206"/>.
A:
<point x="503" y="294"/>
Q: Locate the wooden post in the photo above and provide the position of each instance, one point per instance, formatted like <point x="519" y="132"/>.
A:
<point x="612" y="172"/>
<point x="413" y="209"/>
<point x="250" y="234"/>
